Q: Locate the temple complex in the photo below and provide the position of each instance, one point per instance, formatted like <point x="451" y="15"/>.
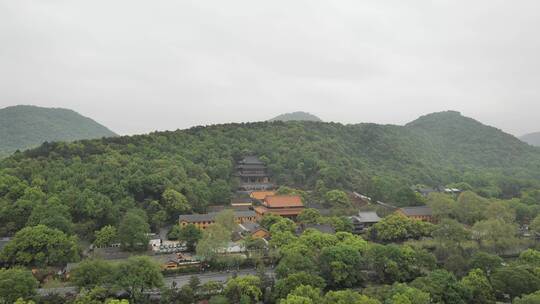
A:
<point x="253" y="174"/>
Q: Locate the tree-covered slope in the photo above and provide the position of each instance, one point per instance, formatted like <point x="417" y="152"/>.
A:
<point x="296" y="116"/>
<point x="23" y="127"/>
<point x="532" y="139"/>
<point x="466" y="142"/>
<point x="99" y="179"/>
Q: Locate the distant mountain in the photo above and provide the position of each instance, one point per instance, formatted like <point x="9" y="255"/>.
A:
<point x="532" y="139"/>
<point x="465" y="141"/>
<point x="296" y="116"/>
<point x="23" y="127"/>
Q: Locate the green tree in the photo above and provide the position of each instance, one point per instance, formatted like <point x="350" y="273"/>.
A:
<point x="442" y="205"/>
<point x="337" y="199"/>
<point x="175" y="203"/>
<point x="535" y="225"/>
<point x="16" y="283"/>
<point x="191" y="235"/>
<point x="268" y="220"/>
<point x="133" y="231"/>
<point x="194" y="282"/>
<point x="530" y="257"/>
<point x="106" y="236"/>
<point x="339" y="223"/>
<point x="284" y="225"/>
<point x="397" y="227"/>
<point x="40" y="246"/>
<point x="479" y="287"/>
<point x="394" y="263"/>
<point x="500" y="210"/>
<point x="306" y="292"/>
<point x="442" y="287"/>
<point x="138" y="274"/>
<point x="485" y="261"/>
<point x="347" y="297"/>
<point x="226" y="219"/>
<point x="340" y="266"/>
<point x="241" y="287"/>
<point x="470" y="208"/>
<point x="515" y="281"/>
<point x="294" y="299"/>
<point x="296" y="260"/>
<point x="214" y="239"/>
<point x="309" y="216"/>
<point x="218" y="299"/>
<point x="533" y="298"/>
<point x="92" y="273"/>
<point x="212" y="288"/>
<point x="403" y="294"/>
<point x="495" y="235"/>
<point x="450" y="232"/>
<point x="53" y="215"/>
<point x="285" y="285"/>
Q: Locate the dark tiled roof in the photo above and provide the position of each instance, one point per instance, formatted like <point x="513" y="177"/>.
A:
<point x="367" y="217"/>
<point x="244" y="213"/>
<point x="197" y="217"/>
<point x="252" y="160"/>
<point x="417" y="211"/>
<point x="251" y="227"/>
<point x="207" y="217"/>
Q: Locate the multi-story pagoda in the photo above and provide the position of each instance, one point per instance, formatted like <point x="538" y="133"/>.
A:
<point x="253" y="174"/>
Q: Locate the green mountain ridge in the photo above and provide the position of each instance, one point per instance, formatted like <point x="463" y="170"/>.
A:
<point x="100" y="179"/>
<point x="23" y="127"/>
<point x="296" y="116"/>
<point x="532" y="139"/>
<point x="434" y="149"/>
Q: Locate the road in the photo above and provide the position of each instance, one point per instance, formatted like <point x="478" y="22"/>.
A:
<point x="210" y="276"/>
<point x="180" y="280"/>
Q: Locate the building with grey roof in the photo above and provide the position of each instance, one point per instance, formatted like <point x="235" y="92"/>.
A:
<point x="204" y="220"/>
<point x="364" y="220"/>
<point x="421" y="213"/>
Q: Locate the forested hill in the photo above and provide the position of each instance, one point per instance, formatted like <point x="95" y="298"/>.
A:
<point x="99" y="178"/>
<point x="466" y="142"/>
<point x="532" y="139"/>
<point x="23" y="127"/>
<point x="296" y="116"/>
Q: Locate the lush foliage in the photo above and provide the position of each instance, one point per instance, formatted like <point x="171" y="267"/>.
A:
<point x="23" y="127"/>
<point x="40" y="246"/>
<point x="16" y="283"/>
<point x="169" y="173"/>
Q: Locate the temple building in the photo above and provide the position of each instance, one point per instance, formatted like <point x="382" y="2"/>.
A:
<point x="364" y="220"/>
<point x="202" y="221"/>
<point x="420" y="213"/>
<point x="289" y="206"/>
<point x="253" y="174"/>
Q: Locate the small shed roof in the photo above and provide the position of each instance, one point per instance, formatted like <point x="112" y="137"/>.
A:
<point x="368" y="217"/>
<point x="417" y="211"/>
<point x="252" y="160"/>
<point x="206" y="217"/>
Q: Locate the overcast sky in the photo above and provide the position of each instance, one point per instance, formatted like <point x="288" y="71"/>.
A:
<point x="138" y="66"/>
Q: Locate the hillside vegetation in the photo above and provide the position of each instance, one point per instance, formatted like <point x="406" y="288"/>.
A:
<point x="98" y="180"/>
<point x="296" y="116"/>
<point x="23" y="127"/>
<point x="532" y="139"/>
